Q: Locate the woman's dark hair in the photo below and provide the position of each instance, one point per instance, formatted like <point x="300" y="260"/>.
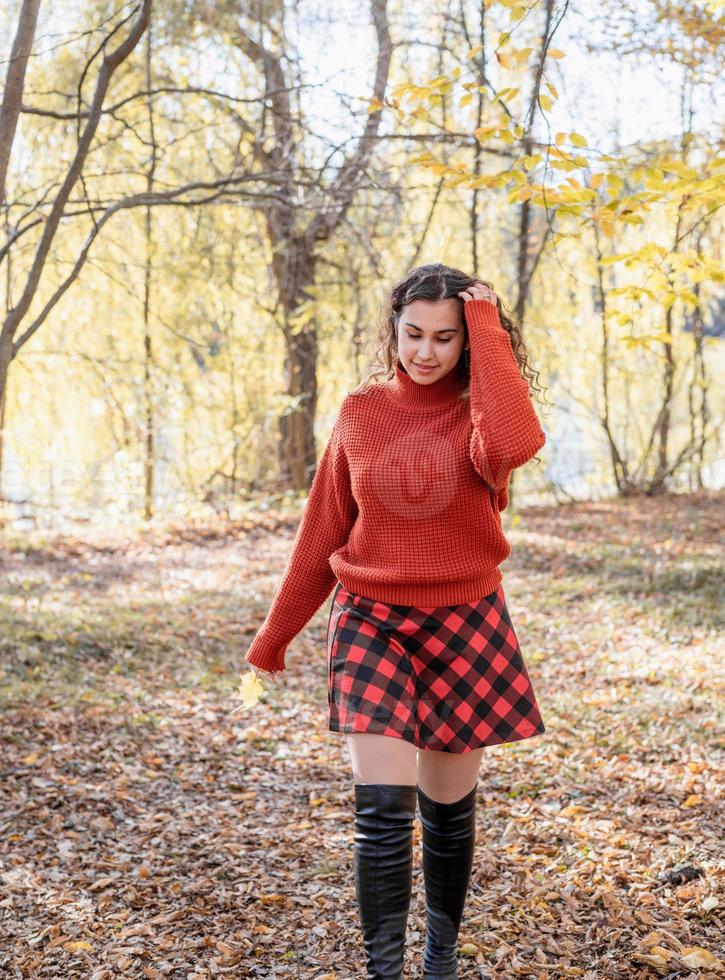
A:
<point x="433" y="282"/>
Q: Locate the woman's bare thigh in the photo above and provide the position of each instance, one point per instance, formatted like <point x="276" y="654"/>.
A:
<point x="382" y="759"/>
<point x="444" y="776"/>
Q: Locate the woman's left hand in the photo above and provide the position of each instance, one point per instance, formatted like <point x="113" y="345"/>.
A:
<point x="478" y="291"/>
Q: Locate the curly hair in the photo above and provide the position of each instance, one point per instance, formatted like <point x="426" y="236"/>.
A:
<point x="435" y="282"/>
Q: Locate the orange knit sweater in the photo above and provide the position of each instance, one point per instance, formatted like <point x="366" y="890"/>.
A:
<point x="404" y="505"/>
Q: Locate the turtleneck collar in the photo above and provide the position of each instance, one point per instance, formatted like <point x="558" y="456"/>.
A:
<point x="407" y="393"/>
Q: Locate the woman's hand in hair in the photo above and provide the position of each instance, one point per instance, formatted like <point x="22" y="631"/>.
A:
<point x="479" y="291"/>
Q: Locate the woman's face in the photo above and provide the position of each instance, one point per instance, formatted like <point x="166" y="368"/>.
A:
<point x="431" y="333"/>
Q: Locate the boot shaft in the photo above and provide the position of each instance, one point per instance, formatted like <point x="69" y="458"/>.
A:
<point x="448" y="839"/>
<point x="383" y="866"/>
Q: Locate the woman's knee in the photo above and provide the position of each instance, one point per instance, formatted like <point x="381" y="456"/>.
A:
<point x="382" y="759"/>
<point x="448" y="776"/>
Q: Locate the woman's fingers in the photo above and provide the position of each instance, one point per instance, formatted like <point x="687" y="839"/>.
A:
<point x="274" y="675"/>
<point x="478" y="291"/>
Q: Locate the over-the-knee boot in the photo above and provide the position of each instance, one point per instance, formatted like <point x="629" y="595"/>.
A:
<point x="449" y="834"/>
<point x="383" y="862"/>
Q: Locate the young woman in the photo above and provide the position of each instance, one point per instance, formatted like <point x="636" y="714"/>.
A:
<point x="424" y="666"/>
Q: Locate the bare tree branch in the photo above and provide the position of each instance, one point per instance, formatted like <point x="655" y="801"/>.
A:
<point x="109" y="65"/>
<point x="10" y="109"/>
<point x="145" y="199"/>
<point x="145" y="94"/>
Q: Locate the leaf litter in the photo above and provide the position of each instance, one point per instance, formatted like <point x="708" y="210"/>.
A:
<point x="154" y="826"/>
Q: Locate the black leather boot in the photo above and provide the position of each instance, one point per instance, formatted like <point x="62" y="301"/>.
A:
<point x="449" y="834"/>
<point x="383" y="862"/>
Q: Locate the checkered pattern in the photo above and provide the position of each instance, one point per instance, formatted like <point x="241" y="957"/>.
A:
<point x="449" y="678"/>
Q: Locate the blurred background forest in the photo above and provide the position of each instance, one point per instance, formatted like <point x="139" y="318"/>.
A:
<point x="204" y="204"/>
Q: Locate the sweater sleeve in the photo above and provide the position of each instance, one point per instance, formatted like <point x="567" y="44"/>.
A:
<point x="328" y="517"/>
<point x="506" y="431"/>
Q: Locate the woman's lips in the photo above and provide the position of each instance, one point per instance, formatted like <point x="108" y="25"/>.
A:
<point x="424" y="370"/>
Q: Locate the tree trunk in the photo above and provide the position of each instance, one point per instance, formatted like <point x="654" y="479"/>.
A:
<point x="14" y="84"/>
<point x="293" y="250"/>
<point x="297" y="451"/>
<point x="699" y="414"/>
<point x="148" y="372"/>
<point x="620" y="470"/>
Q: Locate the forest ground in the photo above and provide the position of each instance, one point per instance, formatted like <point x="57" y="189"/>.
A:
<point x="150" y="830"/>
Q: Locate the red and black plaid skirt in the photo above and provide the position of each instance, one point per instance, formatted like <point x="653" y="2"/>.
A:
<point x="449" y="678"/>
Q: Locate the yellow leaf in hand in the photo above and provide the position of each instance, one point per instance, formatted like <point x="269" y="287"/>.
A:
<point x="250" y="689"/>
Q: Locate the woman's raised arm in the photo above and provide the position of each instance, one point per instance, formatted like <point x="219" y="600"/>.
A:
<point x="506" y="430"/>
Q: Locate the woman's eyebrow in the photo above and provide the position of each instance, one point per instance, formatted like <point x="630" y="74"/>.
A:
<point x="442" y="330"/>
